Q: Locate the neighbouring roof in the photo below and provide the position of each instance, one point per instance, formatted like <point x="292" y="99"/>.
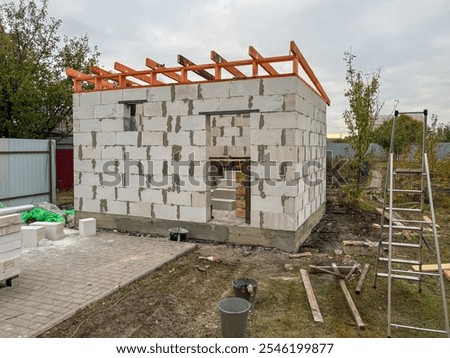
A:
<point x="219" y="70"/>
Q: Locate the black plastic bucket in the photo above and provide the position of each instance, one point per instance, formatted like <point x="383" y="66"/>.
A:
<point x="178" y="234"/>
<point x="245" y="288"/>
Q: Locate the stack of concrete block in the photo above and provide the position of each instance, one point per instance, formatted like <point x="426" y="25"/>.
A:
<point x="32" y="235"/>
<point x="53" y="230"/>
<point x="157" y="171"/>
<point x="10" y="248"/>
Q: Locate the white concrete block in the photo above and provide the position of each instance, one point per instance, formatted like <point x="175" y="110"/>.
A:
<point x="193" y="123"/>
<point x="112" y="125"/>
<point x="89" y="125"/>
<point x="106" y="192"/>
<point x="180" y="138"/>
<point x="8" y="220"/>
<point x="206" y="105"/>
<point x="265" y="136"/>
<point x="236" y="103"/>
<point x="105" y="111"/>
<point x="181" y="198"/>
<point x="90" y="179"/>
<point x="268" y="204"/>
<point x="82" y="139"/>
<point x="84" y="165"/>
<point x="201" y="198"/>
<point x="135" y="94"/>
<point x="162" y="93"/>
<point x="215" y="90"/>
<point x="137" y="181"/>
<point x="191" y="152"/>
<point x="231" y="131"/>
<point x="128" y="194"/>
<point x="273" y="103"/>
<point x="199" y="138"/>
<point x="151" y="195"/>
<point x="279" y="221"/>
<point x="155" y="124"/>
<point x="168" y="212"/>
<point x="117" y="207"/>
<point x="279" y="120"/>
<point x="89" y="98"/>
<point x="53" y="231"/>
<point x="246" y="87"/>
<point x="177" y="108"/>
<point x="127" y="138"/>
<point x="136" y="153"/>
<point x="152" y="138"/>
<point x="161" y="153"/>
<point x="106" y="138"/>
<point x="111" y="96"/>
<point x="83" y="191"/>
<point x="83" y="112"/>
<point x="281" y="85"/>
<point x="112" y="152"/>
<point x="186" y="91"/>
<point x="141" y="209"/>
<point x="194" y="214"/>
<point x="87" y="227"/>
<point x="152" y="109"/>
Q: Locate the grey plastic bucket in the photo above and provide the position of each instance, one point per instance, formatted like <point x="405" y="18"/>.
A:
<point x="233" y="316"/>
<point x="178" y="234"/>
<point x="245" y="288"/>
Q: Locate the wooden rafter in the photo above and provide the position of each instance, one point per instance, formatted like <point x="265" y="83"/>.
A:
<point x="85" y="77"/>
<point x="102" y="72"/>
<point x="155" y="65"/>
<point x="309" y="72"/>
<point x="145" y="78"/>
<point x="233" y="70"/>
<point x="183" y="61"/>
<point x="257" y="56"/>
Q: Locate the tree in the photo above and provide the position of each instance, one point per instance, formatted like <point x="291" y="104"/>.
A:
<point x="408" y="132"/>
<point x="35" y="93"/>
<point x="364" y="106"/>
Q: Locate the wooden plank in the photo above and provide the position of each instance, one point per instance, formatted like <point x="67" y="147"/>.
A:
<point x="431" y="267"/>
<point x="233" y="70"/>
<point x="319" y="269"/>
<point x="315" y="310"/>
<point x="100" y="71"/>
<point x="183" y="61"/>
<point x="257" y="56"/>
<point x="356" y="316"/>
<point x="77" y="75"/>
<point x="362" y="279"/>
<point x="240" y="213"/>
<point x="351" y="272"/>
<point x="447" y="274"/>
<point x="300" y="255"/>
<point x="129" y="71"/>
<point x="309" y="72"/>
<point x="155" y="65"/>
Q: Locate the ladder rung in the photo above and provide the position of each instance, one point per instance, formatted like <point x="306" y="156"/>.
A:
<point x="398" y="277"/>
<point x="419" y="328"/>
<point x="407" y="191"/>
<point x="402" y="244"/>
<point x="400" y="261"/>
<point x="426" y="222"/>
<point x="408" y="171"/>
<point x="420" y="273"/>
<point x="397" y="227"/>
<point x="411" y="210"/>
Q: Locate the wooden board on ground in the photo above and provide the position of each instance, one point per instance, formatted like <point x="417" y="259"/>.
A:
<point x="362" y="279"/>
<point x="317" y="315"/>
<point x="356" y="316"/>
<point x="344" y="270"/>
<point x="447" y="274"/>
<point x="300" y="255"/>
<point x="431" y="268"/>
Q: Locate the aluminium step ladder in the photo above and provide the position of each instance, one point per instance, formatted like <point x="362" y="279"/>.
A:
<point x="414" y="229"/>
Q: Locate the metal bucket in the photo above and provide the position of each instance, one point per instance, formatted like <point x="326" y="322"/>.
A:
<point x="233" y="316"/>
<point x="178" y="234"/>
<point x="245" y="288"/>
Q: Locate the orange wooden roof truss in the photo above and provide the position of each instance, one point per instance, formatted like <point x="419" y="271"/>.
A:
<point x="127" y="77"/>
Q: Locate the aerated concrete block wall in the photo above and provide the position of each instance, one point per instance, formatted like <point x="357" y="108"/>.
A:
<point x="158" y="171"/>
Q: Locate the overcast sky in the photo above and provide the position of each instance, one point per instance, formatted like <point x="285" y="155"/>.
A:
<point x="408" y="39"/>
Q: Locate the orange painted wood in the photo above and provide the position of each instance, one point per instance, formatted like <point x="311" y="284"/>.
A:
<point x="80" y="77"/>
<point x="309" y="72"/>
<point x="121" y="79"/>
<point x="133" y="73"/>
<point x="256" y="56"/>
<point x="233" y="70"/>
<point x="155" y="65"/>
<point x="183" y="61"/>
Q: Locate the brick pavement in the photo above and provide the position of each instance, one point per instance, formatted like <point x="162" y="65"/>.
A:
<point x="58" y="280"/>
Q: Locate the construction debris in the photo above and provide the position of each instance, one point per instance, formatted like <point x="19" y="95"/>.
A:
<point x="355" y="247"/>
<point x="317" y="269"/>
<point x="300" y="255"/>
<point x="362" y="279"/>
<point x="210" y="258"/>
<point x="431" y="268"/>
<point x="344" y="270"/>
<point x="447" y="274"/>
<point x="317" y="315"/>
<point x="356" y="316"/>
<point x="288" y="267"/>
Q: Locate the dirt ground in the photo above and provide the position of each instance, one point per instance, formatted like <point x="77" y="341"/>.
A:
<point x="180" y="299"/>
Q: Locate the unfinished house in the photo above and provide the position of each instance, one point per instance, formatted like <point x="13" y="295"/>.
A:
<point x="232" y="151"/>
